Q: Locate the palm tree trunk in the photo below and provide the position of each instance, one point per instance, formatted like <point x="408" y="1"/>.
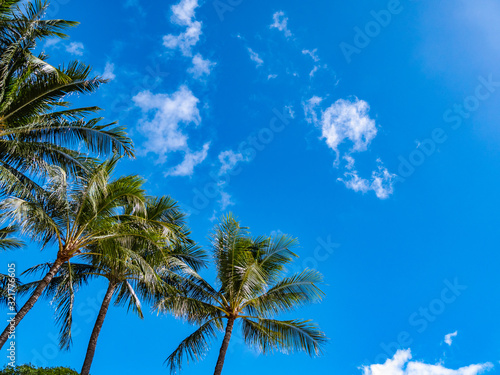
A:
<point x="225" y="345"/>
<point x="97" y="329"/>
<point x="31" y="301"/>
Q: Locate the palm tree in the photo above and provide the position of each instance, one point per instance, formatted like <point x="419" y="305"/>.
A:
<point x="130" y="280"/>
<point x="251" y="289"/>
<point x="139" y="273"/>
<point x="133" y="276"/>
<point x="77" y="215"/>
<point x="38" y="126"/>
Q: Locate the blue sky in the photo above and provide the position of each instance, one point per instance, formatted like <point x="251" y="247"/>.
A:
<point x="367" y="129"/>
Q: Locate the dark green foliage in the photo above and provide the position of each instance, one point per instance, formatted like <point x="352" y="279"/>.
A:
<point x="32" y="370"/>
<point x="39" y="127"/>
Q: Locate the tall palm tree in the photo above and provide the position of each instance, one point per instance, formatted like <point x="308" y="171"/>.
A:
<point x="131" y="280"/>
<point x="136" y="274"/>
<point x="251" y="289"/>
<point x="77" y="215"/>
<point x="38" y="126"/>
<point x="139" y="273"/>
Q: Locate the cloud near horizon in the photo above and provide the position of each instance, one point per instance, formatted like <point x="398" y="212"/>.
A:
<point x="401" y="364"/>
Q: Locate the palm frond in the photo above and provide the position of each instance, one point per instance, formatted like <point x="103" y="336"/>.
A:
<point x="7" y="242"/>
<point x="288" y="294"/>
<point x="288" y="335"/>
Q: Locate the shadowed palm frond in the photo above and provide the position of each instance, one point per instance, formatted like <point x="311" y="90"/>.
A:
<point x="195" y="346"/>
<point x="7" y="242"/>
<point x="38" y="126"/>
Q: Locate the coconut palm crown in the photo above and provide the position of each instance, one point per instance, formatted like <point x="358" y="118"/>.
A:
<point x="135" y="273"/>
<point x="75" y="215"/>
<point x="38" y="125"/>
<point x="251" y="289"/>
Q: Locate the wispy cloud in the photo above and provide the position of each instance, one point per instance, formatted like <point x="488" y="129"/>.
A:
<point x="136" y="5"/>
<point x="109" y="71"/>
<point x="313" y="54"/>
<point x="225" y="200"/>
<point x="183" y="14"/>
<point x="448" y="339"/>
<point x="229" y="159"/>
<point x="381" y="181"/>
<point x="75" y="48"/>
<point x="191" y="160"/>
<point x="254" y="56"/>
<point x="401" y="364"/>
<point x="313" y="71"/>
<point x="50" y="42"/>
<point x="281" y="23"/>
<point x="165" y="118"/>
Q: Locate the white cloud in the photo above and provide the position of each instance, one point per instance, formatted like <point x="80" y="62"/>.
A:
<point x="310" y="109"/>
<point x="75" y="48"/>
<point x="225" y="200"/>
<point x="281" y="23"/>
<point x="109" y="70"/>
<point x="401" y="364"/>
<point x="165" y="117"/>
<point x="255" y="57"/>
<point x="201" y="66"/>
<point x="50" y="42"/>
<point x="290" y="110"/>
<point x="183" y="14"/>
<point x="228" y="161"/>
<point x="313" y="54"/>
<point x="350" y="162"/>
<point x="313" y="72"/>
<point x="272" y="76"/>
<point x="136" y="5"/>
<point x="448" y="339"/>
<point x="316" y="68"/>
<point x="381" y="181"/>
<point x="348" y="120"/>
<point x="191" y="160"/>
